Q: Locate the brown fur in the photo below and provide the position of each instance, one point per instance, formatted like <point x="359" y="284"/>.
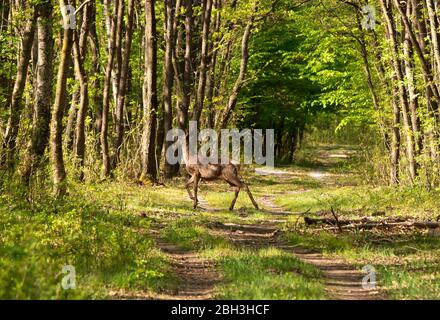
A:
<point x="227" y="172"/>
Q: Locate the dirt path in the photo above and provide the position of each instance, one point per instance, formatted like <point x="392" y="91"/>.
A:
<point x="197" y="276"/>
<point x="342" y="281"/>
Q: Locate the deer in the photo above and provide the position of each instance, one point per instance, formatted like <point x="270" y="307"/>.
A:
<point x="222" y="170"/>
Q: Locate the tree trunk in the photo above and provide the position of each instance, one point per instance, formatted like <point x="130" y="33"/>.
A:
<point x="16" y="105"/>
<point x="106" y="169"/>
<point x="232" y="101"/>
<point x="81" y="75"/>
<point x="122" y="89"/>
<point x="95" y="82"/>
<point x="56" y="128"/>
<point x="200" y="96"/>
<point x="401" y="89"/>
<point x="425" y="66"/>
<point x="169" y="169"/>
<point x="43" y="92"/>
<point x="116" y="71"/>
<point x="412" y="95"/>
<point x="149" y="171"/>
<point x="434" y="36"/>
<point x="184" y="104"/>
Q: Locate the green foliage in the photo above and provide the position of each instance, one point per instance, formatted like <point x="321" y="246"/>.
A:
<point x="105" y="247"/>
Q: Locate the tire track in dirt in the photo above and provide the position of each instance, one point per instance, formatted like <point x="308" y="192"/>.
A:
<point x="197" y="277"/>
<point x="343" y="281"/>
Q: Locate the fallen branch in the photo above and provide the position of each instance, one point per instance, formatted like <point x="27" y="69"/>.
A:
<point x="421" y="225"/>
<point x="336" y="219"/>
<point x="313" y="221"/>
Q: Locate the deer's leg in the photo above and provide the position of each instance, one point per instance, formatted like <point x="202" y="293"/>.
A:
<point x="250" y="195"/>
<point x="196" y="185"/>
<point x="190" y="180"/>
<point x="237" y="190"/>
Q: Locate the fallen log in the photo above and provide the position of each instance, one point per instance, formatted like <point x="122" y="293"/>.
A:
<point x="416" y="224"/>
<point x="331" y="221"/>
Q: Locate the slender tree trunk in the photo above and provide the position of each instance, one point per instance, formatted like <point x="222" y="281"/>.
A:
<point x="81" y="75"/>
<point x="75" y="104"/>
<point x="401" y="89"/>
<point x="43" y="92"/>
<point x="106" y="169"/>
<point x="232" y="101"/>
<point x="149" y="171"/>
<point x="200" y="96"/>
<point x="56" y="128"/>
<point x="425" y="65"/>
<point x="434" y="36"/>
<point x="169" y="169"/>
<point x="183" y="106"/>
<point x="116" y="71"/>
<point x="71" y="117"/>
<point x="211" y="79"/>
<point x="412" y="94"/>
<point x="95" y="82"/>
<point x="122" y="89"/>
<point x="16" y="105"/>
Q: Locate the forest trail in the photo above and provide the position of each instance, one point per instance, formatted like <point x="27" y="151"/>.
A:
<point x="198" y="277"/>
<point x="342" y="280"/>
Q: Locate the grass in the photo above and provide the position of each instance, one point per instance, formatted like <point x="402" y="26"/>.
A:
<point x="107" y="248"/>
<point x="267" y="274"/>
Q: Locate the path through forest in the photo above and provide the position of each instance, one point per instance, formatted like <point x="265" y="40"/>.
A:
<point x="198" y="277"/>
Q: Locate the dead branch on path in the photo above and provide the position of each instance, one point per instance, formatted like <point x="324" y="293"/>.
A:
<point x="366" y="223"/>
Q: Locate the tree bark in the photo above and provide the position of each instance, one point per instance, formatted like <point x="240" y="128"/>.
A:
<point x="16" y="105"/>
<point x="169" y="169"/>
<point x="56" y="128"/>
<point x="95" y="82"/>
<point x="149" y="164"/>
<point x="232" y="101"/>
<point x="106" y="169"/>
<point x="122" y="88"/>
<point x="200" y="96"/>
<point x="43" y="92"/>
<point x="81" y="75"/>
<point x="412" y="94"/>
<point x="184" y="104"/>
<point x="401" y="90"/>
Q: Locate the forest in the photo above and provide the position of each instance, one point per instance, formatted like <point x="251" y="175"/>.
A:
<point x="92" y="208"/>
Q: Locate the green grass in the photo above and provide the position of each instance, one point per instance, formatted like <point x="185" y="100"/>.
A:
<point x="188" y="234"/>
<point x="266" y="274"/>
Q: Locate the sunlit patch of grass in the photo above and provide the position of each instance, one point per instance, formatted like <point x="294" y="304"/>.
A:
<point x="415" y="280"/>
<point x="265" y="274"/>
<point x="188" y="234"/>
